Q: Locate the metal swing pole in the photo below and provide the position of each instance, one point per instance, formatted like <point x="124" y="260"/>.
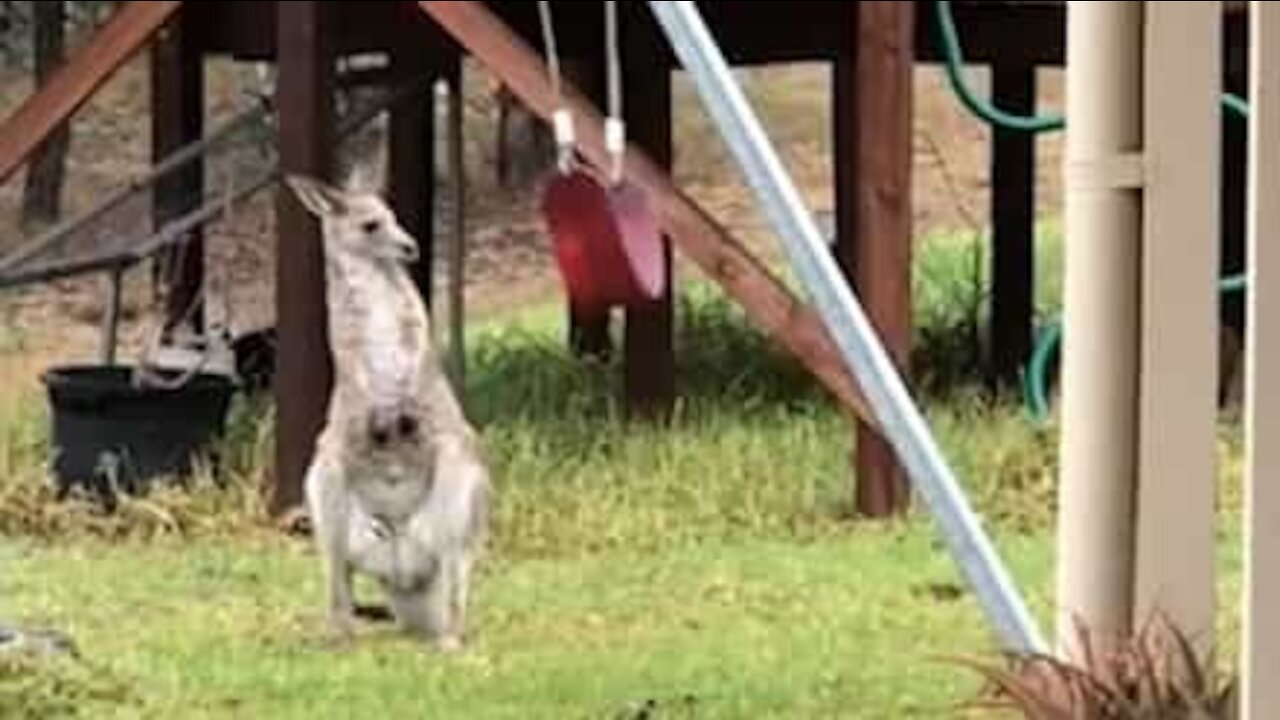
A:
<point x="902" y="423"/>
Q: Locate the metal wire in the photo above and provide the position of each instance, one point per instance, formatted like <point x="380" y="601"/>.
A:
<point x="549" y="47"/>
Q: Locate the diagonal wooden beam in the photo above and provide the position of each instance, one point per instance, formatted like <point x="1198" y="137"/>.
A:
<point x="83" y="74"/>
<point x="693" y="231"/>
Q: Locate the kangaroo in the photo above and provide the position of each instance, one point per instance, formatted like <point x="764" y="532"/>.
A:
<point x="397" y="488"/>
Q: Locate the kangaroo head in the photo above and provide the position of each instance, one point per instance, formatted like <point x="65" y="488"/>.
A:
<point x="358" y="223"/>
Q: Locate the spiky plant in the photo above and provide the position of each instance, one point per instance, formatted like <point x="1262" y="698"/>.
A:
<point x="1154" y="675"/>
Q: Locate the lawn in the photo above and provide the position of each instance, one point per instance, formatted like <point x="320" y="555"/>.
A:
<point x="706" y="570"/>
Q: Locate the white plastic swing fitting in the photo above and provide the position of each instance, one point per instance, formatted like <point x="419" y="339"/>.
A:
<point x="615" y="144"/>
<point x="562" y="127"/>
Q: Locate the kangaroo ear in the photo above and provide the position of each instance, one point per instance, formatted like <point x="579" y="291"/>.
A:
<point x="320" y="198"/>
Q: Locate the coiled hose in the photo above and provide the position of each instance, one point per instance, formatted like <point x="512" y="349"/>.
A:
<point x="1036" y="377"/>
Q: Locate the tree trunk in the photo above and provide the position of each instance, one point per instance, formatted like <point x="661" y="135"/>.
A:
<point x="42" y="200"/>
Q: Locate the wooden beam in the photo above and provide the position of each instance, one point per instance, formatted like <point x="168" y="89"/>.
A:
<point x="1260" y="633"/>
<point x="47" y="164"/>
<point x="1177" y="438"/>
<point x="305" y="371"/>
<point x="1013" y="210"/>
<point x="87" y="69"/>
<point x="649" y="341"/>
<point x="873" y="88"/>
<point x="749" y="33"/>
<point x="411" y="163"/>
<point x="177" y="118"/>
<point x="767" y="301"/>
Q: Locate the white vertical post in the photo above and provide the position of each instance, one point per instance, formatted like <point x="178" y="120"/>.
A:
<point x="1260" y="682"/>
<point x="1178" y="380"/>
<point x="1100" y="318"/>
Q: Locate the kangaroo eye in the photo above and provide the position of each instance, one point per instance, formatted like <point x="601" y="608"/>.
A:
<point x="370" y="227"/>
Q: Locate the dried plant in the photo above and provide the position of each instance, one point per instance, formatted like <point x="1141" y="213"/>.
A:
<point x="1156" y="674"/>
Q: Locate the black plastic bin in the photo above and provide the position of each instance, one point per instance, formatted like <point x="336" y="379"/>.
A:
<point x="100" y="418"/>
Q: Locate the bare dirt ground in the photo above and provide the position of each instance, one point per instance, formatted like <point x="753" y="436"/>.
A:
<point x="509" y="260"/>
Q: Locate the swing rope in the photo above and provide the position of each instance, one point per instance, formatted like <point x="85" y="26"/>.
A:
<point x="562" y="120"/>
<point x="614" y="129"/>
<point x="147" y="374"/>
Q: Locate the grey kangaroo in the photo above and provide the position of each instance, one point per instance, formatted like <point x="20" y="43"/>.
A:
<point x="397" y="488"/>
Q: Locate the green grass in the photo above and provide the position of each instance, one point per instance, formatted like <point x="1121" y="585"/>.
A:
<point x="842" y="627"/>
<point x="710" y="568"/>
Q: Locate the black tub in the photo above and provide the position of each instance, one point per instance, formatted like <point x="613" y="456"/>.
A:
<point x="100" y="419"/>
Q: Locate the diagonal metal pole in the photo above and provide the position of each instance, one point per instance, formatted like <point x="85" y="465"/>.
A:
<point x="902" y="423"/>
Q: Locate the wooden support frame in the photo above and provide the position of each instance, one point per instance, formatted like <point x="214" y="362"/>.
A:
<point x="177" y="118"/>
<point x="873" y="99"/>
<point x="767" y="301"/>
<point x="1013" y="213"/>
<point x="83" y="73"/>
<point x="1177" y="381"/>
<point x="411" y="160"/>
<point x="1260" y="655"/>
<point x="304" y="368"/>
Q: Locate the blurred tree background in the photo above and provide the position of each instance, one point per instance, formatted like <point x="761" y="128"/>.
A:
<point x="34" y="38"/>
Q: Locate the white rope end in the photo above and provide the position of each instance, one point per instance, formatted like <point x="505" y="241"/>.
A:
<point x="615" y="136"/>
<point x="615" y="144"/>
<point x="562" y="123"/>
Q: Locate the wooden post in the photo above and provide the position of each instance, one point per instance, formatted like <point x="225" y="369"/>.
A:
<point x="1013" y="207"/>
<point x="650" y="352"/>
<point x="1101" y="322"/>
<point x="1177" y="440"/>
<point x="1260" y="693"/>
<point x="411" y="162"/>
<point x="46" y="173"/>
<point x="84" y="72"/>
<point x="873" y="98"/>
<point x="177" y="118"/>
<point x="305" y="370"/>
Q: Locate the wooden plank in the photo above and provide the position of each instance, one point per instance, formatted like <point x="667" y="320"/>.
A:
<point x="47" y="165"/>
<point x="305" y="371"/>
<point x="708" y="244"/>
<point x="1013" y="208"/>
<point x="749" y="33"/>
<point x="649" y="340"/>
<point x="1260" y="693"/>
<point x="873" y="88"/>
<point x="1177" y="413"/>
<point x="411" y="164"/>
<point x="85" y="71"/>
<point x="177" y="118"/>
<point x="810" y="30"/>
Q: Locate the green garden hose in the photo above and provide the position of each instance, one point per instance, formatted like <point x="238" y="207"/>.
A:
<point x="953" y="57"/>
<point x="1035" y="380"/>
<point x="954" y="63"/>
<point x="1035" y="385"/>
